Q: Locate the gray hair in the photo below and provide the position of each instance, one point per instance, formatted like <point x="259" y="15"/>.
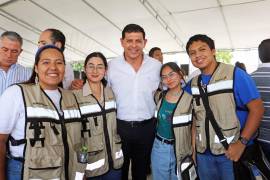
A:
<point x="13" y="36"/>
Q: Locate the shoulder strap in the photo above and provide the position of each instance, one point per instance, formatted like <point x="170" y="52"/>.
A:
<point x="15" y="142"/>
<point x="210" y="115"/>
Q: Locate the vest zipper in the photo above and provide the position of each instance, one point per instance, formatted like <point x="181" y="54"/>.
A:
<point x="66" y="149"/>
<point x="64" y="137"/>
<point x="105" y="129"/>
<point x="207" y="136"/>
<point x="64" y="134"/>
<point x="107" y="140"/>
<point x="174" y="144"/>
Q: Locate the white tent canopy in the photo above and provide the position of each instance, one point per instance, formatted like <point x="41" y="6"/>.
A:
<point x="96" y="25"/>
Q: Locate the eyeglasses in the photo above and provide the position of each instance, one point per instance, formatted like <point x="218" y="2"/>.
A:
<point x="98" y="68"/>
<point x="170" y="75"/>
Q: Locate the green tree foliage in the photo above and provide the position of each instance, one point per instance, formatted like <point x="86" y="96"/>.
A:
<point x="77" y="66"/>
<point x="224" y="56"/>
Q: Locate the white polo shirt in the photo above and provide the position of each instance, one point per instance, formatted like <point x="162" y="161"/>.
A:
<point x="134" y="91"/>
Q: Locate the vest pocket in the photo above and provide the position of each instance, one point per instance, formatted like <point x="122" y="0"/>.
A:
<point x="198" y="109"/>
<point x="231" y="134"/>
<point x="77" y="168"/>
<point x="97" y="161"/>
<point x="95" y="144"/>
<point x="117" y="153"/>
<point x="44" y="164"/>
<point x="96" y="125"/>
<point x="53" y="135"/>
<point x="200" y="139"/>
<point x="96" y="164"/>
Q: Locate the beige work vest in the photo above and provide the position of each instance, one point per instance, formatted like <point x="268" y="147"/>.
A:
<point x="100" y="132"/>
<point x="221" y="100"/>
<point x="181" y="125"/>
<point x="51" y="138"/>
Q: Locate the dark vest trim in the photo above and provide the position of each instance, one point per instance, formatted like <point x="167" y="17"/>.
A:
<point x="15" y="142"/>
<point x="223" y="91"/>
<point x="64" y="132"/>
<point x="181" y="124"/>
<point x="25" y="127"/>
<point x="98" y="113"/>
<point x="56" y="121"/>
<point x="105" y="128"/>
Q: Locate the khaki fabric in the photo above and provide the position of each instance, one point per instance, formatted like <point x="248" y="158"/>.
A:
<point x="51" y="138"/>
<point x="222" y="103"/>
<point x="100" y="132"/>
<point x="181" y="125"/>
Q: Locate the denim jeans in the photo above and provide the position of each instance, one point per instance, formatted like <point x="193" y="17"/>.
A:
<point x="13" y="169"/>
<point x="111" y="175"/>
<point x="163" y="161"/>
<point x="211" y="167"/>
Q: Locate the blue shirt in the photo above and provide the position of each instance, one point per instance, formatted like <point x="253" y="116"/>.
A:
<point x="15" y="74"/>
<point x="244" y="89"/>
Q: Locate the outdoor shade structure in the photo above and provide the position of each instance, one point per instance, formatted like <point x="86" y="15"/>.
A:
<point x="96" y="25"/>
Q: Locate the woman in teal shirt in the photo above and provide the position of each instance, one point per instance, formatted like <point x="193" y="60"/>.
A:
<point x="173" y="136"/>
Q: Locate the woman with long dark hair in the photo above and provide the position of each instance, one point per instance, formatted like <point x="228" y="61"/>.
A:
<point x="40" y="121"/>
<point x="173" y="136"/>
<point x="98" y="108"/>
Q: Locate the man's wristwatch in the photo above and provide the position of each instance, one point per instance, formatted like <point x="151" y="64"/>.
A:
<point x="243" y="140"/>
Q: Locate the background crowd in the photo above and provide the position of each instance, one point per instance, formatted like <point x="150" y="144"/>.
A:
<point x="131" y="111"/>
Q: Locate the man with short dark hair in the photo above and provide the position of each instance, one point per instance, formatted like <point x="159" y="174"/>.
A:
<point x="134" y="77"/>
<point x="52" y="36"/>
<point x="57" y="38"/>
<point x="156" y="53"/>
<point x="227" y="96"/>
<point x="10" y="49"/>
<point x="262" y="80"/>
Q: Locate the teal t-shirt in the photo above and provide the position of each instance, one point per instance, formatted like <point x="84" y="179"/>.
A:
<point x="164" y="119"/>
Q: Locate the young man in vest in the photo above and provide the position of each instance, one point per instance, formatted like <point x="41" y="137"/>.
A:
<point x="236" y="107"/>
<point x="262" y="79"/>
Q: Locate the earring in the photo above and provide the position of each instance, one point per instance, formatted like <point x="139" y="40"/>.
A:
<point x="36" y="79"/>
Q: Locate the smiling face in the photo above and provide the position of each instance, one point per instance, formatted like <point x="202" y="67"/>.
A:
<point x="133" y="44"/>
<point x="50" y="69"/>
<point x="202" y="57"/>
<point x="170" y="78"/>
<point x="95" y="70"/>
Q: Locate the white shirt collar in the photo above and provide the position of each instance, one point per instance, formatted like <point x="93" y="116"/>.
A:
<point x="145" y="59"/>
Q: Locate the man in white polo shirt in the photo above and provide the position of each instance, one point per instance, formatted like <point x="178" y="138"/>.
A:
<point x="134" y="77"/>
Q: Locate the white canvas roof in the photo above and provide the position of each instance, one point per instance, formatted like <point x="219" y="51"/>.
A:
<point x="96" y="25"/>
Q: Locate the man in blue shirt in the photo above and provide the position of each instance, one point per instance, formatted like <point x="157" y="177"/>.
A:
<point x="10" y="49"/>
<point x="246" y="100"/>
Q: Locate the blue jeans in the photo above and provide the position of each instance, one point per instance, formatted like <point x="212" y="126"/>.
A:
<point x="211" y="167"/>
<point x="163" y="161"/>
<point x="13" y="169"/>
<point x="111" y="175"/>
